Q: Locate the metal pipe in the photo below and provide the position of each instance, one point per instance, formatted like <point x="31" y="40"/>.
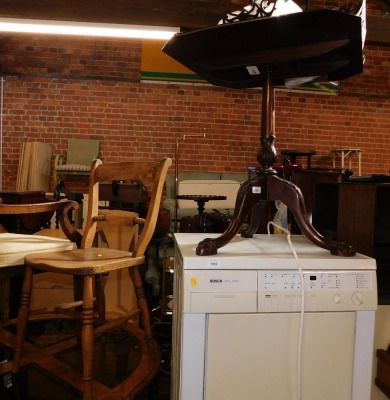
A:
<point x="177" y="169"/>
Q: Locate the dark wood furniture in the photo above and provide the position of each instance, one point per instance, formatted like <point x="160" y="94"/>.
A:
<point x="125" y="196"/>
<point x="292" y="155"/>
<point x="27" y="223"/>
<point x="201" y="200"/>
<point x="307" y="179"/>
<point x="382" y="379"/>
<point x="8" y="269"/>
<point x="24" y="220"/>
<point x="358" y="213"/>
<point x="264" y="52"/>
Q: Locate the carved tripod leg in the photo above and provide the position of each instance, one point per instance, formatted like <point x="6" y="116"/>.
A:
<point x="250" y="193"/>
<point x="291" y="195"/>
<point x="255" y="220"/>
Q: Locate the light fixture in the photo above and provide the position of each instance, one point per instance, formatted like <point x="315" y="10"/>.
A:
<point x="19" y="25"/>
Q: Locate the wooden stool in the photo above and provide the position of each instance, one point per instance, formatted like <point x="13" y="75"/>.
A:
<point x="347" y="154"/>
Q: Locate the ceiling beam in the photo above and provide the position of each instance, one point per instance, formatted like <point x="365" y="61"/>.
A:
<point x="180" y="13"/>
<point x="185" y="14"/>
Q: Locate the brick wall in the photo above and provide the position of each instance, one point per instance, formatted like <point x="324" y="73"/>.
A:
<point x="60" y="88"/>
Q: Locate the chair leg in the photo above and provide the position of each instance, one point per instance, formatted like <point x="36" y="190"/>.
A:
<point x="100" y="297"/>
<point x="141" y="299"/>
<point x="87" y="329"/>
<point x="23" y="316"/>
<point x="4" y="299"/>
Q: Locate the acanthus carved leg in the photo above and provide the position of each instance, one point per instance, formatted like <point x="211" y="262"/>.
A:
<point x="280" y="189"/>
<point x="250" y="193"/>
<point x="254" y="220"/>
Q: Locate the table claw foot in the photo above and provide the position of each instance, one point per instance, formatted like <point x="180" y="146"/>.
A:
<point x="250" y="193"/>
<point x="341" y="249"/>
<point x="207" y="247"/>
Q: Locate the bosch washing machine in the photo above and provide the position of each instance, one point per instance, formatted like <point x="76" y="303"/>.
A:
<point x="266" y="319"/>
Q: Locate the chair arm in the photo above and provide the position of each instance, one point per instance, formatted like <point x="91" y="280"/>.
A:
<point x="119" y="217"/>
<point x="59" y="160"/>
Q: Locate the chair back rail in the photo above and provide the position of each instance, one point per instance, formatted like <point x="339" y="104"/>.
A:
<point x="145" y="172"/>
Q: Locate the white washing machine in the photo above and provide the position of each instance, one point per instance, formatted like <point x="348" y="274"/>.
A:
<point x="239" y="331"/>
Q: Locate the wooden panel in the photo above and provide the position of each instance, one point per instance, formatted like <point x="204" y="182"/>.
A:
<point x="325" y="209"/>
<point x="34" y="166"/>
<point x="378" y="30"/>
<point x="356" y="216"/>
<point x="383" y="372"/>
<point x="306" y="180"/>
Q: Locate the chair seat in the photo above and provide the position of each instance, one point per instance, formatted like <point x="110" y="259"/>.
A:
<point x="14" y="247"/>
<point x="89" y="261"/>
<point x="73" y="167"/>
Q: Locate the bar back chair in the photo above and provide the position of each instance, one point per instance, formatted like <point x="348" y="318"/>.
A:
<point x="89" y="262"/>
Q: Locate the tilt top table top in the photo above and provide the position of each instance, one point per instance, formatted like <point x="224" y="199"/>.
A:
<point x="325" y="43"/>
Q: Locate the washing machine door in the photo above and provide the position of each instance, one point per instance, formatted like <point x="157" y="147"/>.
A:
<point x="257" y="356"/>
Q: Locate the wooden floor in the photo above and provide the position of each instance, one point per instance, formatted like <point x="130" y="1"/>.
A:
<point x="52" y="365"/>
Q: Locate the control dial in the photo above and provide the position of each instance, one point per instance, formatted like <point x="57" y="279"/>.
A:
<point x="336" y="298"/>
<point x="357" y="298"/>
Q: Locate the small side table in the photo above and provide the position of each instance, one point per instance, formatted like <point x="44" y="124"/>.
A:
<point x="294" y="153"/>
<point x="201" y="200"/>
<point x="347" y="154"/>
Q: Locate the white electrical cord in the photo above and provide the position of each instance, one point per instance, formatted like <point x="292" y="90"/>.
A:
<point x="302" y="312"/>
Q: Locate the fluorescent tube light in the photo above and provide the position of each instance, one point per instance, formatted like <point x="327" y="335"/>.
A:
<point x="19" y="25"/>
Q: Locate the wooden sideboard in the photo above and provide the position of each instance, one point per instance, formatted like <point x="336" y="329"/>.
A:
<point x="307" y="179"/>
<point x="358" y="214"/>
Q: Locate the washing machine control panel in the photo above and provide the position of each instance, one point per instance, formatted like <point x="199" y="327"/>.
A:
<point x="287" y="291"/>
<point x="233" y="291"/>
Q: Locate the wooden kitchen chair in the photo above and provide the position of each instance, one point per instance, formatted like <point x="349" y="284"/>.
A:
<point x="89" y="263"/>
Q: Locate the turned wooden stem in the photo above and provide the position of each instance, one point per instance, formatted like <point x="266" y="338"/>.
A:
<point x="267" y="156"/>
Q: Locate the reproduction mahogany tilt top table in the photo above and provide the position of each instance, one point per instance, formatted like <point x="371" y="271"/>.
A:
<point x="264" y="52"/>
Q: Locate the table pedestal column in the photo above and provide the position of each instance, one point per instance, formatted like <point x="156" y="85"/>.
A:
<point x="267" y="186"/>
